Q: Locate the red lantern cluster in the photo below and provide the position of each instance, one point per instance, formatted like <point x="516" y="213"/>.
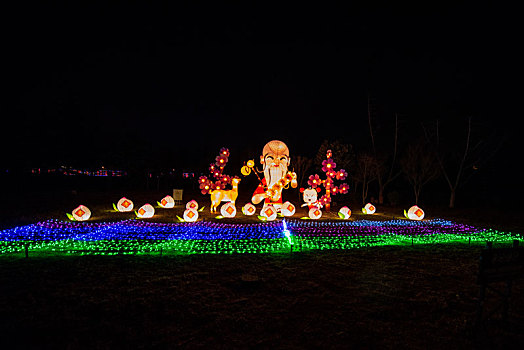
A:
<point x="217" y="180"/>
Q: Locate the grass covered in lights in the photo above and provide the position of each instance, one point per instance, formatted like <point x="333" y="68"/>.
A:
<point x="203" y="237"/>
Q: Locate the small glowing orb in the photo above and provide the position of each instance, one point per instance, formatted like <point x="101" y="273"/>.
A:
<point x="146" y="211"/>
<point x="369" y="209"/>
<point x="249" y="209"/>
<point x="269" y="212"/>
<point x="228" y="210"/>
<point x="167" y="202"/>
<point x="288" y="209"/>
<point x="251" y="163"/>
<point x="344" y="213"/>
<point x="190" y="215"/>
<point x="415" y="213"/>
<point x="81" y="213"/>
<point x="315" y="213"/>
<point x="124" y="205"/>
<point x="245" y="170"/>
<point x="192" y="204"/>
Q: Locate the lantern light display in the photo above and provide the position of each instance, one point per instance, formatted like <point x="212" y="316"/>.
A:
<point x="315" y="213"/>
<point x="288" y="209"/>
<point x="414" y="213"/>
<point x="81" y="213"/>
<point x="344" y="213"/>
<point x="207" y="185"/>
<point x="167" y="202"/>
<point x="228" y="210"/>
<point x="249" y="209"/>
<point x="369" y="209"/>
<point x="190" y="215"/>
<point x="145" y="211"/>
<point x="192" y="204"/>
<point x="124" y="205"/>
<point x="268" y="213"/>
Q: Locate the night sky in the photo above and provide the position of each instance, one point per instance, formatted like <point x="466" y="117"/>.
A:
<point x="93" y="84"/>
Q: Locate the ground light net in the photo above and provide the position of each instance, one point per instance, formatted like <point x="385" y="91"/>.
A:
<point x="142" y="237"/>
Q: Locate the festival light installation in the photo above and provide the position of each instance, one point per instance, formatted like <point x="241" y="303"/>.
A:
<point x="344" y="213"/>
<point x="124" y="205"/>
<point x="190" y="215"/>
<point x="167" y="202"/>
<point x="369" y="209"/>
<point x="146" y="211"/>
<point x="288" y="209"/>
<point x="80" y="213"/>
<point x="414" y="213"/>
<point x="228" y="210"/>
<point x="268" y="213"/>
<point x="249" y="209"/>
<point x="310" y="197"/>
<point x="192" y="204"/>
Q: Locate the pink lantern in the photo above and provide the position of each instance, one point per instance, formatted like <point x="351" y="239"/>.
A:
<point x="268" y="212"/>
<point x="190" y="215"/>
<point x="167" y="202"/>
<point x="146" y="211"/>
<point x="414" y="213"/>
<point x="228" y="210"/>
<point x="344" y="213"/>
<point x="124" y="205"/>
<point x="81" y="213"/>
<point x="249" y="209"/>
<point x="315" y="213"/>
<point x="192" y="205"/>
<point x="369" y="209"/>
<point x="288" y="209"/>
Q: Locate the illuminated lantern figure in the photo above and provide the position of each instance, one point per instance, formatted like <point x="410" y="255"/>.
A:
<point x="268" y="212"/>
<point x="124" y="205"/>
<point x="414" y="213"/>
<point x="369" y="209"/>
<point x="192" y="204"/>
<point x="249" y="209"/>
<point x="167" y="202"/>
<point x="190" y="215"/>
<point x="288" y="209"/>
<point x="344" y="213"/>
<point x="146" y="211"/>
<point x="219" y="195"/>
<point x="310" y="196"/>
<point x="315" y="213"/>
<point x="228" y="210"/>
<point x="81" y="213"/>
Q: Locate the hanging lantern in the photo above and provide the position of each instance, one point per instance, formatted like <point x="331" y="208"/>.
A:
<point x="315" y="213"/>
<point x="369" y="209"/>
<point x="288" y="209"/>
<point x="81" y="213"/>
<point x="249" y="209"/>
<point x="344" y="213"/>
<point x="192" y="205"/>
<point x="228" y="210"/>
<point x="190" y="215"/>
<point x="124" y="205"/>
<point x="268" y="212"/>
<point x="167" y="202"/>
<point x="146" y="211"/>
<point x="414" y="213"/>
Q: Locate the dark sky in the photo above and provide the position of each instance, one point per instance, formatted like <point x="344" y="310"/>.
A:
<point x="99" y="83"/>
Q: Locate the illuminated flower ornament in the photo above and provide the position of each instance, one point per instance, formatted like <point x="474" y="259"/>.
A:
<point x="80" y="213"/>
<point x="414" y="213"/>
<point x="146" y="211"/>
<point x="123" y="205"/>
<point x="369" y="209"/>
<point x="167" y="202"/>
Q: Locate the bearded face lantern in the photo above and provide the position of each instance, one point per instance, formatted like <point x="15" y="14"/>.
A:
<point x="249" y="209"/>
<point x="192" y="205"/>
<point x="288" y="209"/>
<point x="81" y="213"/>
<point x="124" y="205"/>
<point x="344" y="213"/>
<point x="414" y="213"/>
<point x="146" y="211"/>
<point x="269" y="212"/>
<point x="315" y="213"/>
<point x="228" y="210"/>
<point x="190" y="215"/>
<point x="167" y="202"/>
<point x="369" y="209"/>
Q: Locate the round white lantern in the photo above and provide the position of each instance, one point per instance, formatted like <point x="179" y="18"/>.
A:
<point x="415" y="213"/>
<point x="167" y="202"/>
<point x="190" y="215"/>
<point x="369" y="209"/>
<point x="288" y="209"/>
<point x="124" y="205"/>
<point x="81" y="213"/>
<point x="146" y="211"/>
<point x="269" y="212"/>
<point x="315" y="213"/>
<point x="249" y="209"/>
<point x="192" y="204"/>
<point x="228" y="210"/>
<point x="344" y="213"/>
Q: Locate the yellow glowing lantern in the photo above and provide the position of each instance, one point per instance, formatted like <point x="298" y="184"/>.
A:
<point x="268" y="212"/>
<point x="288" y="209"/>
<point x="190" y="215"/>
<point x="192" y="204"/>
<point x="228" y="210"/>
<point x="344" y="213"/>
<point x="249" y="209"/>
<point x="167" y="202"/>
<point x="414" y="213"/>
<point x="81" y="213"/>
<point x="124" y="205"/>
<point x="315" y="213"/>
<point x="369" y="209"/>
<point x="146" y="211"/>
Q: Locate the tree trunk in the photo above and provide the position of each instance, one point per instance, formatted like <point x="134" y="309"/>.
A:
<point x="452" y="199"/>
<point x="381" y="195"/>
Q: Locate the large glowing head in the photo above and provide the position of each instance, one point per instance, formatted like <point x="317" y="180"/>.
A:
<point x="275" y="159"/>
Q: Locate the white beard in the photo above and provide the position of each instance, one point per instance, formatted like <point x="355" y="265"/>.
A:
<point x="273" y="174"/>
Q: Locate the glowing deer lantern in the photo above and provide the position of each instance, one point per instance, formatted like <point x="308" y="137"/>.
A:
<point x="369" y="209"/>
<point x="124" y="205"/>
<point x="315" y="213"/>
<point x="81" y="213"/>
<point x="190" y="215"/>
<point x="288" y="209"/>
<point x="192" y="204"/>
<point x="146" y="211"/>
<point x="414" y="213"/>
<point x="167" y="202"/>
<point x="228" y="210"/>
<point x="249" y="209"/>
<point x="344" y="213"/>
<point x="268" y="212"/>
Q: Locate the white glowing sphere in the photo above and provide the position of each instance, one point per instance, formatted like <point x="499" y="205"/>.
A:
<point x="81" y="213"/>
<point x="124" y="205"/>
<point x="369" y="209"/>
<point x="288" y="209"/>
<point x="192" y="204"/>
<point x="249" y="209"/>
<point x="345" y="213"/>
<point x="228" y="210"/>
<point x="315" y="213"/>
<point x="269" y="212"/>
<point x="415" y="213"/>
<point x="167" y="202"/>
<point x="146" y="211"/>
<point x="190" y="215"/>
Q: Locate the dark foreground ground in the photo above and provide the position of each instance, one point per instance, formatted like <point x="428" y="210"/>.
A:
<point x="421" y="297"/>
